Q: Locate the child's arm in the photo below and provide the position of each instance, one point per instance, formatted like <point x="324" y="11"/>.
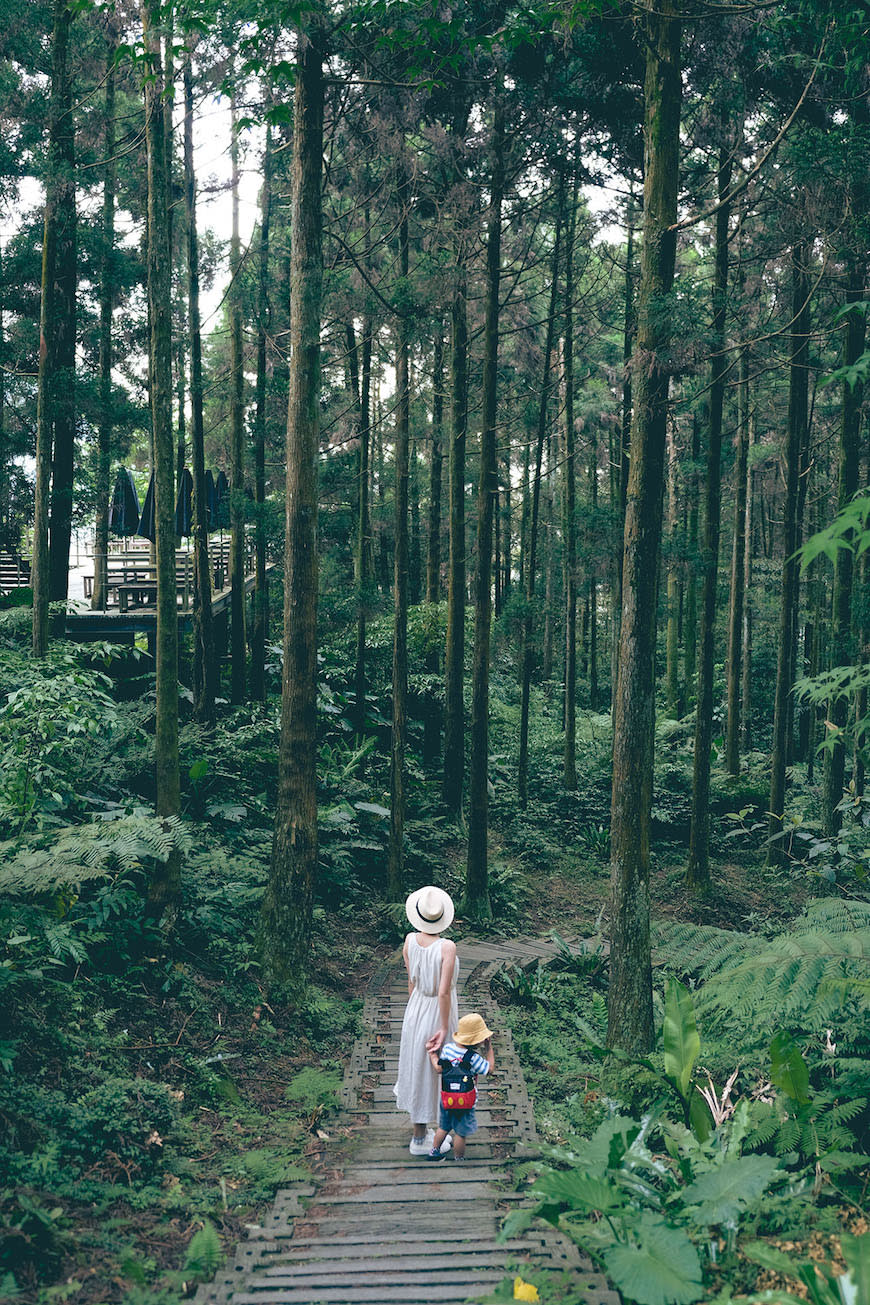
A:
<point x="488" y="1054"/>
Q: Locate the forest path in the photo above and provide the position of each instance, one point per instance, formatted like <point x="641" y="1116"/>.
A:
<point x="389" y="1228"/>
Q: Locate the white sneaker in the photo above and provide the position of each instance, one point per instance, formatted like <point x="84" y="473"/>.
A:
<point x="446" y="1144"/>
<point x="421" y="1145"/>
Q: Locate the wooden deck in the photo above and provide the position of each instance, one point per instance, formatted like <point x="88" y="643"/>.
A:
<point x="113" y="623"/>
<point x="389" y="1228"/>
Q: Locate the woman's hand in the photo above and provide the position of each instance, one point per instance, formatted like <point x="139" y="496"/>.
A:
<point x="435" y="1042"/>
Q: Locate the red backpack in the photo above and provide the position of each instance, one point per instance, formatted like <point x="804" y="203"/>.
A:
<point x="457" y="1083"/>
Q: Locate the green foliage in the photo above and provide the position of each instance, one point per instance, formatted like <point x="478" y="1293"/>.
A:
<point x="807" y="971"/>
<point x="57" y="713"/>
<point x="204" y="1254"/>
<point x="821" y="1282"/>
<point x="314" y="1092"/>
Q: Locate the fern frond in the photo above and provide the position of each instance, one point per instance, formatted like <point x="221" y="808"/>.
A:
<point x="94" y="851"/>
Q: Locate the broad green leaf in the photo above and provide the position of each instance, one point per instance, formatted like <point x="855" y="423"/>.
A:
<point x="577" y="1190"/>
<point x="856" y="1253"/>
<point x="681" y="1038"/>
<point x="663" y="1269"/>
<point x="722" y="1193"/>
<point x="699" y="1117"/>
<point x="373" y="809"/>
<point x="788" y="1069"/>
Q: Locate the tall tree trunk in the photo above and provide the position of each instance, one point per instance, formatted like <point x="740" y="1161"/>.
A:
<point x="264" y="323"/>
<point x="454" y="715"/>
<point x="433" y="552"/>
<point x="415" y="557"/>
<point x="62" y="160"/>
<point x="476" y="904"/>
<point x="165" y="883"/>
<point x="204" y="662"/>
<point x="690" y="621"/>
<point x="854" y="331"/>
<point x="431" y="705"/>
<point x="507" y="526"/>
<point x="672" y="632"/>
<point x="593" y="585"/>
<point x="287" y="905"/>
<point x="525" y="506"/>
<point x="363" y="533"/>
<point x="56" y="182"/>
<point x="238" y="648"/>
<point x="630" y="1013"/>
<point x="569" y="501"/>
<point x="735" y="603"/>
<point x="531" y="565"/>
<point x="547" y="641"/>
<point x="99" y="597"/>
<point x="746" y="685"/>
<point x="797" y="420"/>
<point x="628" y="330"/>
<point x="698" y="868"/>
<point x="395" y="864"/>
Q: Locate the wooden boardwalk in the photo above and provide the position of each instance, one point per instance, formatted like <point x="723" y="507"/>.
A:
<point x="393" y="1229"/>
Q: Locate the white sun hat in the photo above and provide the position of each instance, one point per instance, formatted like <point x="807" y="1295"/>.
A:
<point x="430" y="909"/>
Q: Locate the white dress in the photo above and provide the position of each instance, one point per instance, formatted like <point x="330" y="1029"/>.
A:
<point x="417" y="1084"/>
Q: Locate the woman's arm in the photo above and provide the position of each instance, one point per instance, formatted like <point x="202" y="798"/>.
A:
<point x="407" y="966"/>
<point x="448" y="962"/>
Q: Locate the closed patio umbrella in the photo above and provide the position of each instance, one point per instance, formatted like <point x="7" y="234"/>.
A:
<point x="124" y="508"/>
<point x="184" y="504"/>
<point x="210" y="501"/>
<point x="222" y="494"/>
<point x="147" y="528"/>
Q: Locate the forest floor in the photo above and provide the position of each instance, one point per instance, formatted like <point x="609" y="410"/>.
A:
<point x="256" y="1093"/>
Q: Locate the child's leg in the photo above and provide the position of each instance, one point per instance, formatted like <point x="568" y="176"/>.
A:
<point x="440" y="1134"/>
<point x="458" y="1147"/>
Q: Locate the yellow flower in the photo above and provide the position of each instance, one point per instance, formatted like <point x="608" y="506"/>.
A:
<point x="525" y="1290"/>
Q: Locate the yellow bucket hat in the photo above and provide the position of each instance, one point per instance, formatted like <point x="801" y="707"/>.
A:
<point x="472" y="1030"/>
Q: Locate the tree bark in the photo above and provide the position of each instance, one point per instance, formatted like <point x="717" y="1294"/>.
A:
<point x="99" y="597"/>
<point x="797" y="420"/>
<point x="204" y="662"/>
<point x="698" y="868"/>
<point x="672" y="634"/>
<point x="395" y="862"/>
<point x="165" y="883"/>
<point x="630" y="1013"/>
<point x="531" y="565"/>
<point x="260" y="620"/>
<point x="736" y="596"/>
<point x="842" y="643"/>
<point x="287" y="905"/>
<point x="431" y="705"/>
<point x="363" y="530"/>
<point x="454" y="714"/>
<point x="476" y="904"/>
<point x="690" y="619"/>
<point x="628" y="330"/>
<point x="569" y="522"/>
<point x="433" y="552"/>
<point x="238" y="647"/>
<point x="45" y="387"/>
<point x="62" y="161"/>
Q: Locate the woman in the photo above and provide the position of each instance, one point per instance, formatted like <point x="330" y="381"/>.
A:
<point x="432" y="1011"/>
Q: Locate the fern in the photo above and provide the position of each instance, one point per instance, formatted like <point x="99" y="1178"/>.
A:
<point x="805" y="974"/>
<point x="94" y="851"/>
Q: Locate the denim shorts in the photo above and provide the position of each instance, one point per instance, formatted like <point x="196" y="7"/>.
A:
<point x="461" y="1122"/>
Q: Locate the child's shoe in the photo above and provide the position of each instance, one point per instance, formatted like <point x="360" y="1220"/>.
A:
<point x="435" y="1154"/>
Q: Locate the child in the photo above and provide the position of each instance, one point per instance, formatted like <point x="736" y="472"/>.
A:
<point x="472" y="1036"/>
